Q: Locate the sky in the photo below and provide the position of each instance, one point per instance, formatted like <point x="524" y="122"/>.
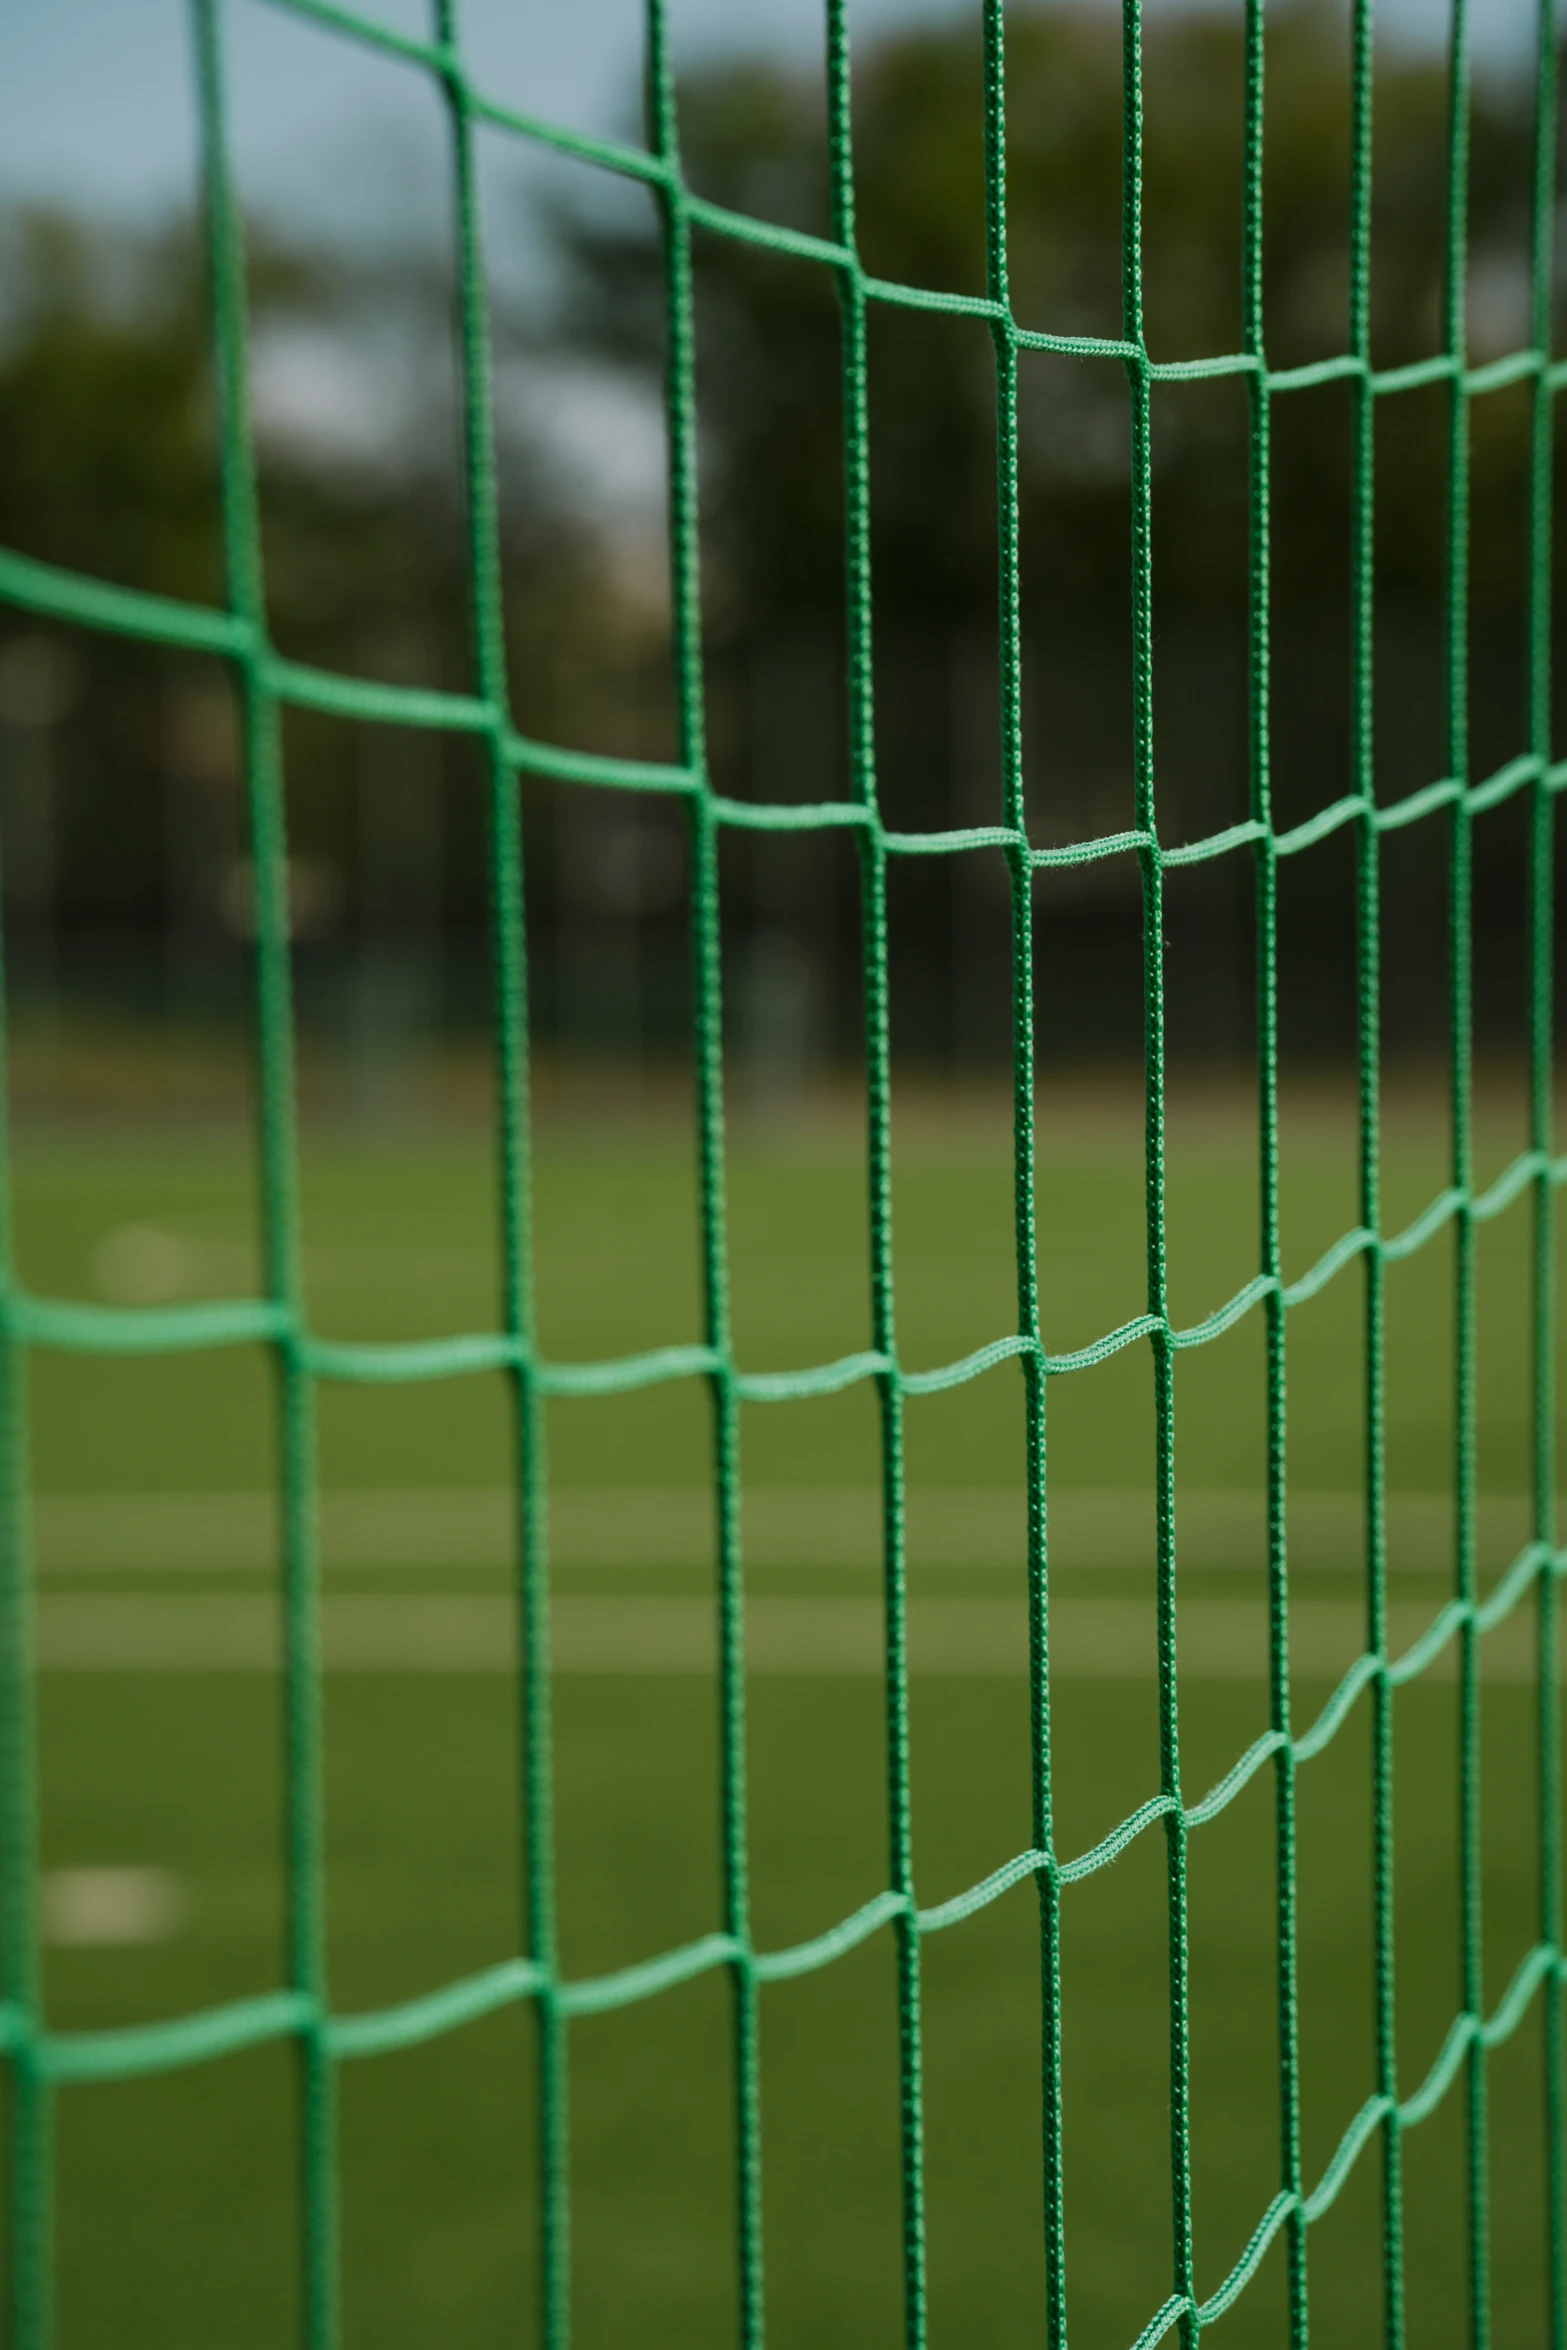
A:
<point x="96" y="100"/>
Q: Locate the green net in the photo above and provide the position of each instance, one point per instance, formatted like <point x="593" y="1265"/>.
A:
<point x="42" y="2062"/>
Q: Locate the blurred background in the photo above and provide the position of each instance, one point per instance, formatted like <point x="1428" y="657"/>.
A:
<point x="124" y="871"/>
<point x="128" y="897"/>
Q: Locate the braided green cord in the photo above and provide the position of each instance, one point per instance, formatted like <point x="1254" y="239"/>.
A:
<point x="706" y="955"/>
<point x="37" y="2058"/>
<point x="1025" y="1238"/>
<point x="878" y="1111"/>
<point x="1369" y="1057"/>
<point x="1183" y="2280"/>
<point x="1460" y="973"/>
<point x="514" y="1168"/>
<point x="1541" y="1087"/>
<point x="1271" y="1251"/>
<point x="303" y="1779"/>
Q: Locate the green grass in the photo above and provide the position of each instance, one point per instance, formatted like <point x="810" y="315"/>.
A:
<point x="176" y="2219"/>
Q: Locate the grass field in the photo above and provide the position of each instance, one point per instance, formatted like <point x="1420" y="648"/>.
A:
<point x="160" y="1733"/>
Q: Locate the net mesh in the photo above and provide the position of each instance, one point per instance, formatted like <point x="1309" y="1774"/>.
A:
<point x="41" y="2062"/>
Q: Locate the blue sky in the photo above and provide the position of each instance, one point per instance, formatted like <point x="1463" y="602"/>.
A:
<point x="95" y="99"/>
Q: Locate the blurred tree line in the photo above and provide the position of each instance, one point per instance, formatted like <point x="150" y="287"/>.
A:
<point x="107" y="464"/>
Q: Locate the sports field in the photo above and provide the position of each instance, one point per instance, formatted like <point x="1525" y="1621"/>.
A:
<point x="160" y="1731"/>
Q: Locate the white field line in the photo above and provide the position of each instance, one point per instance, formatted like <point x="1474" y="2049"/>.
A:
<point x="85" y="1908"/>
<point x="661" y="1527"/>
<point x="1219" y="1639"/>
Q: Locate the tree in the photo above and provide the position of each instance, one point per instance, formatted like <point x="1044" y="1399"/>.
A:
<point x="109" y="468"/>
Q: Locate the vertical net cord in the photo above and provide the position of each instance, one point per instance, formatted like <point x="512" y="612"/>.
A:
<point x="1542" y="858"/>
<point x="1182" y="2280"/>
<point x="29" y="2183"/>
<point x="878" y="1137"/>
<point x="1271" y="1266"/>
<point x="1014" y="815"/>
<point x="1461" y="1079"/>
<point x="707" y="1001"/>
<point x="509" y="987"/>
<point x="1368" y="983"/>
<point x="263" y="765"/>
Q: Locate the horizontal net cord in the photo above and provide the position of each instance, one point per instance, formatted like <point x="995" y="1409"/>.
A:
<point x="103" y="2056"/>
<point x="1540" y="1965"/>
<point x="444" y="62"/>
<point x="62" y="1325"/>
<point x="51" y="592"/>
<point x="133" y="2051"/>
